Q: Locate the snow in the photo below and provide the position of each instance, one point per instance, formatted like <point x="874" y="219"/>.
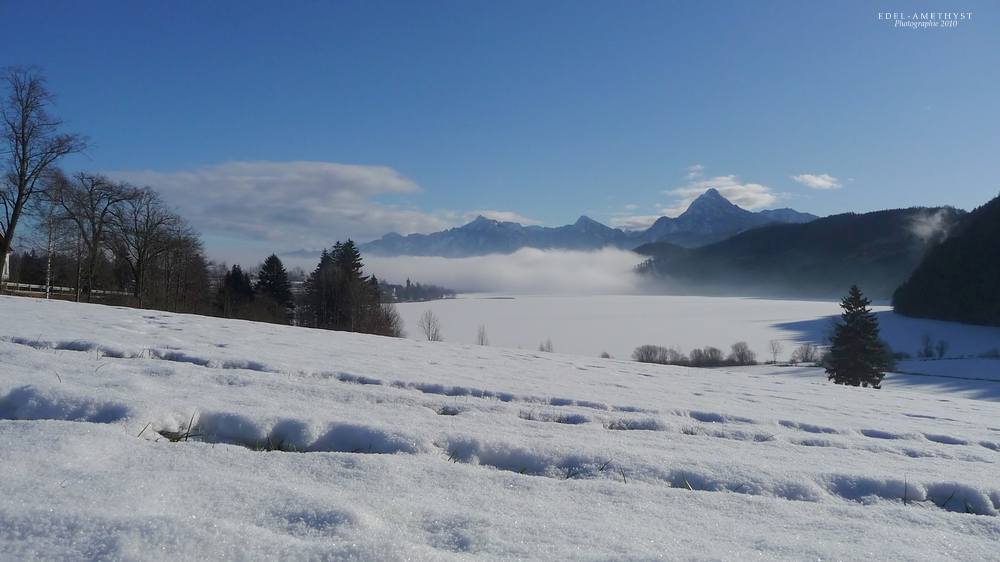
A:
<point x="588" y="325"/>
<point x="131" y="434"/>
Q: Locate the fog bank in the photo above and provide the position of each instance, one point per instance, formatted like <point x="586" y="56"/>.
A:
<point x="527" y="271"/>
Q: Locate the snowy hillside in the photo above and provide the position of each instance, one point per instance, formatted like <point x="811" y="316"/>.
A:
<point x="131" y="434"/>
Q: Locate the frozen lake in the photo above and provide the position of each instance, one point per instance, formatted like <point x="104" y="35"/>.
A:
<point x="588" y="325"/>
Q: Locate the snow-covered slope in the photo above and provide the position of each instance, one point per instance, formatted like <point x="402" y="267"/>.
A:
<point x="305" y="444"/>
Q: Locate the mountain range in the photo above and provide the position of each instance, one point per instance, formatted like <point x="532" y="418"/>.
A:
<point x="709" y="218"/>
<point x="821" y="259"/>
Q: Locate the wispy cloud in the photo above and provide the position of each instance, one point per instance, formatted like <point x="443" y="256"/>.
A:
<point x="288" y="205"/>
<point x="750" y="196"/>
<point x="930" y="227"/>
<point x="822" y="181"/>
<point x="694" y="172"/>
<point x="633" y="222"/>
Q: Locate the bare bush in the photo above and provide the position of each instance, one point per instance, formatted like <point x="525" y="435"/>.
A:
<point x="707" y="357"/>
<point x="389" y="322"/>
<point x="942" y="347"/>
<point x="650" y="354"/>
<point x="806" y="353"/>
<point x="659" y="354"/>
<point x="741" y="354"/>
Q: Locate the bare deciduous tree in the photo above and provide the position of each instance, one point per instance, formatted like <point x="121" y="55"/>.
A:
<point x="430" y="325"/>
<point x="481" y="338"/>
<point x="88" y="201"/>
<point x="741" y="354"/>
<point x="942" y="347"/>
<point x="144" y="228"/>
<point x="926" y="345"/>
<point x="181" y="280"/>
<point x="31" y="143"/>
<point x="545" y="345"/>
<point x="775" y="347"/>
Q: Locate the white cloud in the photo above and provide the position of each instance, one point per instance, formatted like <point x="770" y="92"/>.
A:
<point x="822" y="181"/>
<point x="631" y="207"/>
<point x="749" y="196"/>
<point x="633" y="222"/>
<point x="694" y="171"/>
<point x="289" y="205"/>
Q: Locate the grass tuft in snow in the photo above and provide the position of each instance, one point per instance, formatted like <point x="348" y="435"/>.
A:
<point x="180" y="435"/>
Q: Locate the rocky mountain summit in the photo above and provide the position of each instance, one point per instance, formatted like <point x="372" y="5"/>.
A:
<point x="709" y="218"/>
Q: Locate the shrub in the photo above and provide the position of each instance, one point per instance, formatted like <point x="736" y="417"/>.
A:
<point x="650" y="354"/>
<point x="806" y="353"/>
<point x="659" y="354"/>
<point x="741" y="354"/>
<point x="707" y="357"/>
<point x="992" y="353"/>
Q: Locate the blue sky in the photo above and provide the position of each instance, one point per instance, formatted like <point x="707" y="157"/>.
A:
<point x="274" y="126"/>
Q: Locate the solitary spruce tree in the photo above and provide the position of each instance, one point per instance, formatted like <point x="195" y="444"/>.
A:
<point x="856" y="354"/>
<point x="272" y="281"/>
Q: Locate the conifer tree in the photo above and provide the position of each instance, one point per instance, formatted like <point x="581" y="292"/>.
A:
<point x="348" y="258"/>
<point x="235" y="293"/>
<point x="272" y="281"/>
<point x="857" y="357"/>
<point x="339" y="297"/>
<point x="273" y="292"/>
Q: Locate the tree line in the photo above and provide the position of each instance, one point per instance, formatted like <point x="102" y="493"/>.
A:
<point x="102" y="235"/>
<point x="121" y="244"/>
<point x="337" y="295"/>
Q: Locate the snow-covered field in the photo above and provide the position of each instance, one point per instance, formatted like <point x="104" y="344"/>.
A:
<point x="141" y="435"/>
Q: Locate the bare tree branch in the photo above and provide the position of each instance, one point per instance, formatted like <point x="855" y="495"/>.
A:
<point x="29" y="144"/>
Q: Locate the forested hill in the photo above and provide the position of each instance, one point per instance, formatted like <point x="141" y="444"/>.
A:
<point x="959" y="280"/>
<point x="819" y="259"/>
